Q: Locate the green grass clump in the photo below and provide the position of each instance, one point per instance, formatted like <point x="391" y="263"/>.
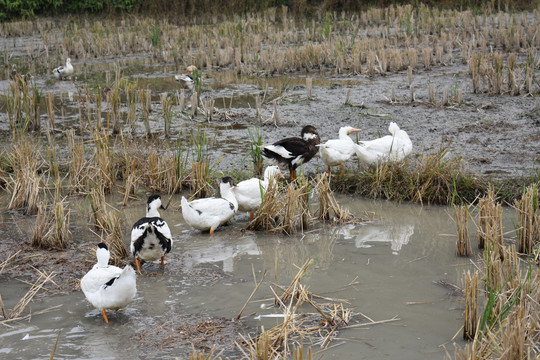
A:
<point x="431" y="179"/>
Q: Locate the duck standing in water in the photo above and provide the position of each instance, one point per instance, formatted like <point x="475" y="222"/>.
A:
<point x="337" y="151"/>
<point x="150" y="236"/>
<point x="393" y="147"/>
<point x="294" y="151"/>
<point x="207" y="214"/>
<point x="63" y="71"/>
<point x="108" y="287"/>
<point x="186" y="80"/>
<point x="249" y="193"/>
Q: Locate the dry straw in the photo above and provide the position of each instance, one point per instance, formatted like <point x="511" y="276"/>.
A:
<point x="24" y="183"/>
<point x="327" y="202"/>
<point x="52" y="225"/>
<point x="470" y="316"/>
<point x="463" y="245"/>
<point x="268" y="213"/>
<point x="528" y="220"/>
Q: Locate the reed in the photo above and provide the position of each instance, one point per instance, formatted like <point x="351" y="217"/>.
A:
<point x="298" y="324"/>
<point x="463" y="245"/>
<point x="103" y="160"/>
<point x="329" y="208"/>
<point x="309" y="86"/>
<point x="200" y="165"/>
<point x="24" y="183"/>
<point x="107" y="221"/>
<point x="528" y="220"/>
<point x="80" y="177"/>
<point x="166" y="106"/>
<point x="489" y="224"/>
<point x="51" y="231"/>
<point x="145" y="98"/>
<point x="292" y="212"/>
<point x="255" y="151"/>
<point x="16" y="313"/>
<point x="470" y="316"/>
<point x="268" y="213"/>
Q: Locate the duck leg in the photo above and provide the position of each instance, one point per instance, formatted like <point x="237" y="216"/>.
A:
<point x="138" y="263"/>
<point x="329" y="171"/>
<point x="251" y="215"/>
<point x="341" y="169"/>
<point x="293" y="174"/>
<point x="104" y="313"/>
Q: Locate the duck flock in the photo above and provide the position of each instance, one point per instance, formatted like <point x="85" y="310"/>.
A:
<point x="109" y="287"/>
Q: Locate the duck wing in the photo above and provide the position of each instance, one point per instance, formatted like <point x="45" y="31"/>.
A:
<point x="146" y="226"/>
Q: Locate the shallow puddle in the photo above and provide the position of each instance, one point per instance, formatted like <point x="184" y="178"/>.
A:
<point x="385" y="267"/>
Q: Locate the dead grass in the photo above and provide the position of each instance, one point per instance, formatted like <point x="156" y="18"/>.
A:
<point x="52" y="225"/>
<point x="320" y="326"/>
<point x="463" y="244"/>
<point x="432" y="179"/>
<point x="528" y="220"/>
<point x="24" y="183"/>
<point x="16" y="314"/>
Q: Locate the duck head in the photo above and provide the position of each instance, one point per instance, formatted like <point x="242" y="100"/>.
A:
<point x="103" y="255"/>
<point x="152" y="206"/>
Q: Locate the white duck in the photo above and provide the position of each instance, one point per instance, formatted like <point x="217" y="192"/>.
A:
<point x="393" y="147"/>
<point x="63" y="71"/>
<point x="150" y="236"/>
<point x="108" y="287"/>
<point x="337" y="151"/>
<point x="249" y="193"/>
<point x="186" y="80"/>
<point x="209" y="213"/>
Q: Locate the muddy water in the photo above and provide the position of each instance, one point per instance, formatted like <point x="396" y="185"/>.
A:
<point x="386" y="268"/>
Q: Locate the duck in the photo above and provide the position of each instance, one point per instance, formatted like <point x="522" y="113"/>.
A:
<point x="186" y="80"/>
<point x="150" y="236"/>
<point x="294" y="151"/>
<point x="393" y="147"/>
<point x="207" y="214"/>
<point x="63" y="71"/>
<point x="337" y="151"/>
<point x="17" y="76"/>
<point x="108" y="287"/>
<point x="249" y="193"/>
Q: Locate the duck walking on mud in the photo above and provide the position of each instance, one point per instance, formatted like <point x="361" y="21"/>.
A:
<point x="150" y="236"/>
<point x="294" y="151"/>
<point x="108" y="287"/>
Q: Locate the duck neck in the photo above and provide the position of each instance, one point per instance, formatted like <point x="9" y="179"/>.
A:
<point x="152" y="213"/>
<point x="229" y="195"/>
<point x="103" y="256"/>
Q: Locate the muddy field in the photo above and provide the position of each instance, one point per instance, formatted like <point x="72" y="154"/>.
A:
<point x="496" y="135"/>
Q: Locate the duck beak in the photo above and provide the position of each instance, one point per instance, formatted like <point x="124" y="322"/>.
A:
<point x="280" y="175"/>
<point x="354" y="130"/>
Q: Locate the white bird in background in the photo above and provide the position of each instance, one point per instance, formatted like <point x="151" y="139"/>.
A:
<point x="108" y="287"/>
<point x="249" y="193"/>
<point x="150" y="236"/>
<point x="209" y="213"/>
<point x="393" y="147"/>
<point x="63" y="71"/>
<point x="337" y="151"/>
<point x="186" y="80"/>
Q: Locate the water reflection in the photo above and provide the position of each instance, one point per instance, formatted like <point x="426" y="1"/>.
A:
<point x="219" y="250"/>
<point x="365" y="235"/>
